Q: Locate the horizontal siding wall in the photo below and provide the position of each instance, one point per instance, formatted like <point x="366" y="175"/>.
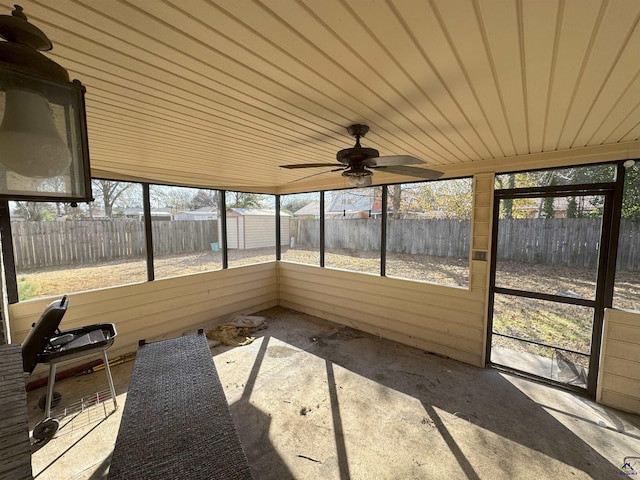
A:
<point x="259" y="231"/>
<point x="232" y="233"/>
<point x="159" y="309"/>
<point x="619" y="380"/>
<point x="444" y="320"/>
<point x="481" y="226"/>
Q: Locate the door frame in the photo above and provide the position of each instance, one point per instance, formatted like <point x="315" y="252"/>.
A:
<point x="612" y="192"/>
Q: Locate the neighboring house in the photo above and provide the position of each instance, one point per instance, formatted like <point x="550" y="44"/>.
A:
<point x="253" y="228"/>
<point x="534" y="208"/>
<point x="311" y="211"/>
<point x="349" y="205"/>
<point x="156" y="213"/>
<point x="359" y="207"/>
<point x="203" y="213"/>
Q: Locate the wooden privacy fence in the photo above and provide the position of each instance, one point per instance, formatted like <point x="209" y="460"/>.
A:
<point x="183" y="236"/>
<point x="438" y="237"/>
<point x="565" y="241"/>
<point x="629" y="246"/>
<point x="50" y="244"/>
<point x="442" y="237"/>
<point x="555" y="241"/>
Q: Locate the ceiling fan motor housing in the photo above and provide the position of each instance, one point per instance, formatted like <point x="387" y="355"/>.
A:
<point x="357" y="154"/>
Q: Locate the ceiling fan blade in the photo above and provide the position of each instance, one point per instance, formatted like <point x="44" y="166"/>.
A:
<point x="392" y="161"/>
<point x="410" y="171"/>
<point x="313" y="175"/>
<point x="312" y="165"/>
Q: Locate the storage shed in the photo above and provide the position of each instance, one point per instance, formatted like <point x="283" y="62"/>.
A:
<point x="253" y="228"/>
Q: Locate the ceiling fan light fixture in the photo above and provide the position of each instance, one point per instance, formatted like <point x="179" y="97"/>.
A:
<point x="358" y="176"/>
<point x="360" y="181"/>
<point x="357" y="172"/>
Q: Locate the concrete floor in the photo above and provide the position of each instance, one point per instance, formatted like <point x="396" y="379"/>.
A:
<point x="315" y="400"/>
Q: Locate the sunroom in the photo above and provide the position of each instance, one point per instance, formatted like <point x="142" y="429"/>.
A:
<point x="469" y="174"/>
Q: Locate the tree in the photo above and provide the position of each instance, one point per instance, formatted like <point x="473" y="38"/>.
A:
<point x="78" y="212"/>
<point x="244" y="200"/>
<point x="204" y="198"/>
<point x="631" y="198"/>
<point x="454" y="198"/>
<point x="502" y="182"/>
<point x="176" y="198"/>
<point x="578" y="206"/>
<point x="109" y="192"/>
<point x="581" y="207"/>
<point x="411" y="198"/>
<point x="293" y="203"/>
<point x="443" y="199"/>
<point x="394" y="193"/>
<point x="517" y="208"/>
<point x="547" y="210"/>
<point x="572" y="208"/>
<point x="34" y="211"/>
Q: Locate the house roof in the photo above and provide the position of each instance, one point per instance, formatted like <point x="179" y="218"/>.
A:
<point x="140" y="211"/>
<point x="342" y="201"/>
<point x="311" y="208"/>
<point x="201" y="212"/>
<point x="221" y="93"/>
<point x="255" y="212"/>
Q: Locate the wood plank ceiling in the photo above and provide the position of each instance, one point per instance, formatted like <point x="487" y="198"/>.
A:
<point x="219" y="93"/>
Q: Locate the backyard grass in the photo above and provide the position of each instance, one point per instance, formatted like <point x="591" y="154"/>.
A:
<point x="563" y="325"/>
<point x="58" y="281"/>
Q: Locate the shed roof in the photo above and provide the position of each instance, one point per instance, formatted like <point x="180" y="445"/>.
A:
<point x="256" y="212"/>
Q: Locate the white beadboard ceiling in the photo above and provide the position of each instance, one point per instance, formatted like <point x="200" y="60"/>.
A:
<point x="219" y="93"/>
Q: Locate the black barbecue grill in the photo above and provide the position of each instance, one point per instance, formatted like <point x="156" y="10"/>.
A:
<point x="46" y="343"/>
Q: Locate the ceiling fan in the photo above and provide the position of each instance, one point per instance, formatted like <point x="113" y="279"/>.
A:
<point x="358" y="163"/>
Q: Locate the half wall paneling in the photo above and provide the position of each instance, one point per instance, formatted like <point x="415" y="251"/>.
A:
<point x="619" y="379"/>
<point x="159" y="309"/>
<point x="445" y="320"/>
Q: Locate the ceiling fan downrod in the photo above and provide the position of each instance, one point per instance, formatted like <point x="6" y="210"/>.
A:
<point x="357" y="154"/>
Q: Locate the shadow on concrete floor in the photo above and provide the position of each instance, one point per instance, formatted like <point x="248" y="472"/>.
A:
<point x="493" y="424"/>
<point x="313" y="400"/>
